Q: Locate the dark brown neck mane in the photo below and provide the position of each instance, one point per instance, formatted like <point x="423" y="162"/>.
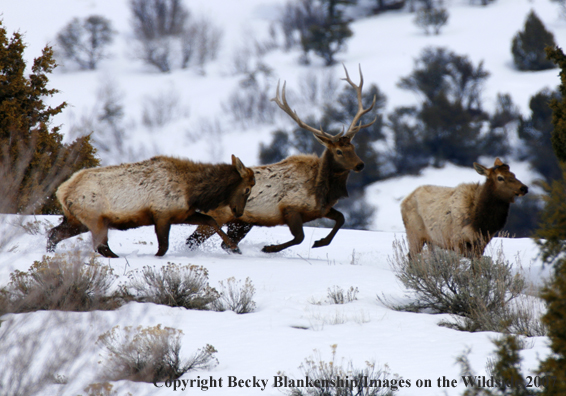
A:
<point x="330" y="181"/>
<point x="213" y="186"/>
<point x="490" y="214"/>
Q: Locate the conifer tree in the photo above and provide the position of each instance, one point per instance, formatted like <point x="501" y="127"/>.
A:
<point x="33" y="161"/>
<point x="528" y="45"/>
<point x="328" y="36"/>
<point x="552" y="239"/>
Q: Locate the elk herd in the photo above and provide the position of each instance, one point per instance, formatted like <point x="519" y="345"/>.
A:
<point x="163" y="191"/>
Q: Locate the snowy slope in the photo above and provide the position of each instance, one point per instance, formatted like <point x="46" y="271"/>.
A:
<point x="286" y="326"/>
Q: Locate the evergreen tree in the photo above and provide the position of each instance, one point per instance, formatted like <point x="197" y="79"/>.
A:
<point x="34" y="160"/>
<point x="323" y="27"/>
<point x="448" y="124"/>
<point x="552" y="240"/>
<point x="536" y="132"/>
<point x="558" y="106"/>
<point x="528" y="45"/>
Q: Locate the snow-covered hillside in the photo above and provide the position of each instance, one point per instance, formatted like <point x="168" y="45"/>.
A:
<point x="289" y="323"/>
<point x="286" y="326"/>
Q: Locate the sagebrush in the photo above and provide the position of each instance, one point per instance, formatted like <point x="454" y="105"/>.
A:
<point x="72" y="281"/>
<point x="173" y="285"/>
<point x="150" y="354"/>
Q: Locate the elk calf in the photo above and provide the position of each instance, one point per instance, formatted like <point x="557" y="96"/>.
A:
<point x="463" y="218"/>
<point x="160" y="191"/>
<point x="300" y="188"/>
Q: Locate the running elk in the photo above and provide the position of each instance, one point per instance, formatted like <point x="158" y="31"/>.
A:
<point x="160" y="191"/>
<point x="298" y="189"/>
<point x="463" y="218"/>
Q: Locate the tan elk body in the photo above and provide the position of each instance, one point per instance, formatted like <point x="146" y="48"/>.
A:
<point x="463" y="218"/>
<point x="160" y="191"/>
<point x="298" y="189"/>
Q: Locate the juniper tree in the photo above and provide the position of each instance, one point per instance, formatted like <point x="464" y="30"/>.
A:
<point x="528" y="45"/>
<point x="34" y="160"/>
<point x="552" y="240"/>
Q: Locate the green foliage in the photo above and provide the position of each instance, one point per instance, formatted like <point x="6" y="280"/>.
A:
<point x="321" y="24"/>
<point x="536" y="133"/>
<point x="505" y="372"/>
<point x="431" y="18"/>
<point x="558" y="106"/>
<point x="551" y="239"/>
<point x="551" y="236"/>
<point x="448" y="125"/>
<point x="528" y="45"/>
<point x="34" y="161"/>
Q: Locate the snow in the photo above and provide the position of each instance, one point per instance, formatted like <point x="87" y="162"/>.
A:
<point x="286" y="326"/>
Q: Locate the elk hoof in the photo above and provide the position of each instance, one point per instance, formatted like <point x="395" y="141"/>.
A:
<point x="270" y="249"/>
<point x="320" y="243"/>
<point x="106" y="252"/>
<point x="235" y="250"/>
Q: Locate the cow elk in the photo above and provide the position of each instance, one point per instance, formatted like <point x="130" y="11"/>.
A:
<point x="160" y="191"/>
<point x="463" y="218"/>
<point x="300" y="188"/>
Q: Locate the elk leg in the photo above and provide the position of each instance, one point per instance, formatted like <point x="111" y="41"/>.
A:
<point x="338" y="217"/>
<point x="201" y="234"/>
<point x="64" y="230"/>
<point x="202" y="219"/>
<point x="100" y="239"/>
<point x="237" y="230"/>
<point x="295" y="223"/>
<point x="162" y="230"/>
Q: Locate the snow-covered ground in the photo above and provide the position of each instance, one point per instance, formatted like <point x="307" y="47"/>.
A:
<point x="286" y="326"/>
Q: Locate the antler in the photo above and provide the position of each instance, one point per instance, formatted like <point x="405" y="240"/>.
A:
<point x="281" y="101"/>
<point x="353" y="129"/>
<point x="319" y="133"/>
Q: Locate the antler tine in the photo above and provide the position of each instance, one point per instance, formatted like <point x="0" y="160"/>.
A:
<point x="353" y="128"/>
<point x="281" y="101"/>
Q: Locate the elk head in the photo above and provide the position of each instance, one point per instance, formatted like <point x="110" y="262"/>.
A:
<point x="340" y="146"/>
<point x="503" y="182"/>
<point x="241" y="193"/>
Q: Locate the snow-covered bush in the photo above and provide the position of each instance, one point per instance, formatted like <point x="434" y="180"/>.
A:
<point x="173" y="285"/>
<point x="68" y="282"/>
<point x="150" y="354"/>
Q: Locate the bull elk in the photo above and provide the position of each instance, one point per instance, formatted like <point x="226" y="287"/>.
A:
<point x="463" y="218"/>
<point x="160" y="191"/>
<point x="300" y="188"/>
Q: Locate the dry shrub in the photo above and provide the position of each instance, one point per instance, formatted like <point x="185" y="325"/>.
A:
<point x="235" y="298"/>
<point x="34" y="358"/>
<point x="173" y="285"/>
<point x="336" y="295"/>
<point x="479" y="291"/>
<point x="71" y="281"/>
<point x="102" y="389"/>
<point x="150" y="354"/>
<point x="334" y="379"/>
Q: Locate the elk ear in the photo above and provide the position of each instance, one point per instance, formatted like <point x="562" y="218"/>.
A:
<point x="482" y="170"/>
<point x="323" y="140"/>
<point x="497" y="162"/>
<point x="240" y="167"/>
